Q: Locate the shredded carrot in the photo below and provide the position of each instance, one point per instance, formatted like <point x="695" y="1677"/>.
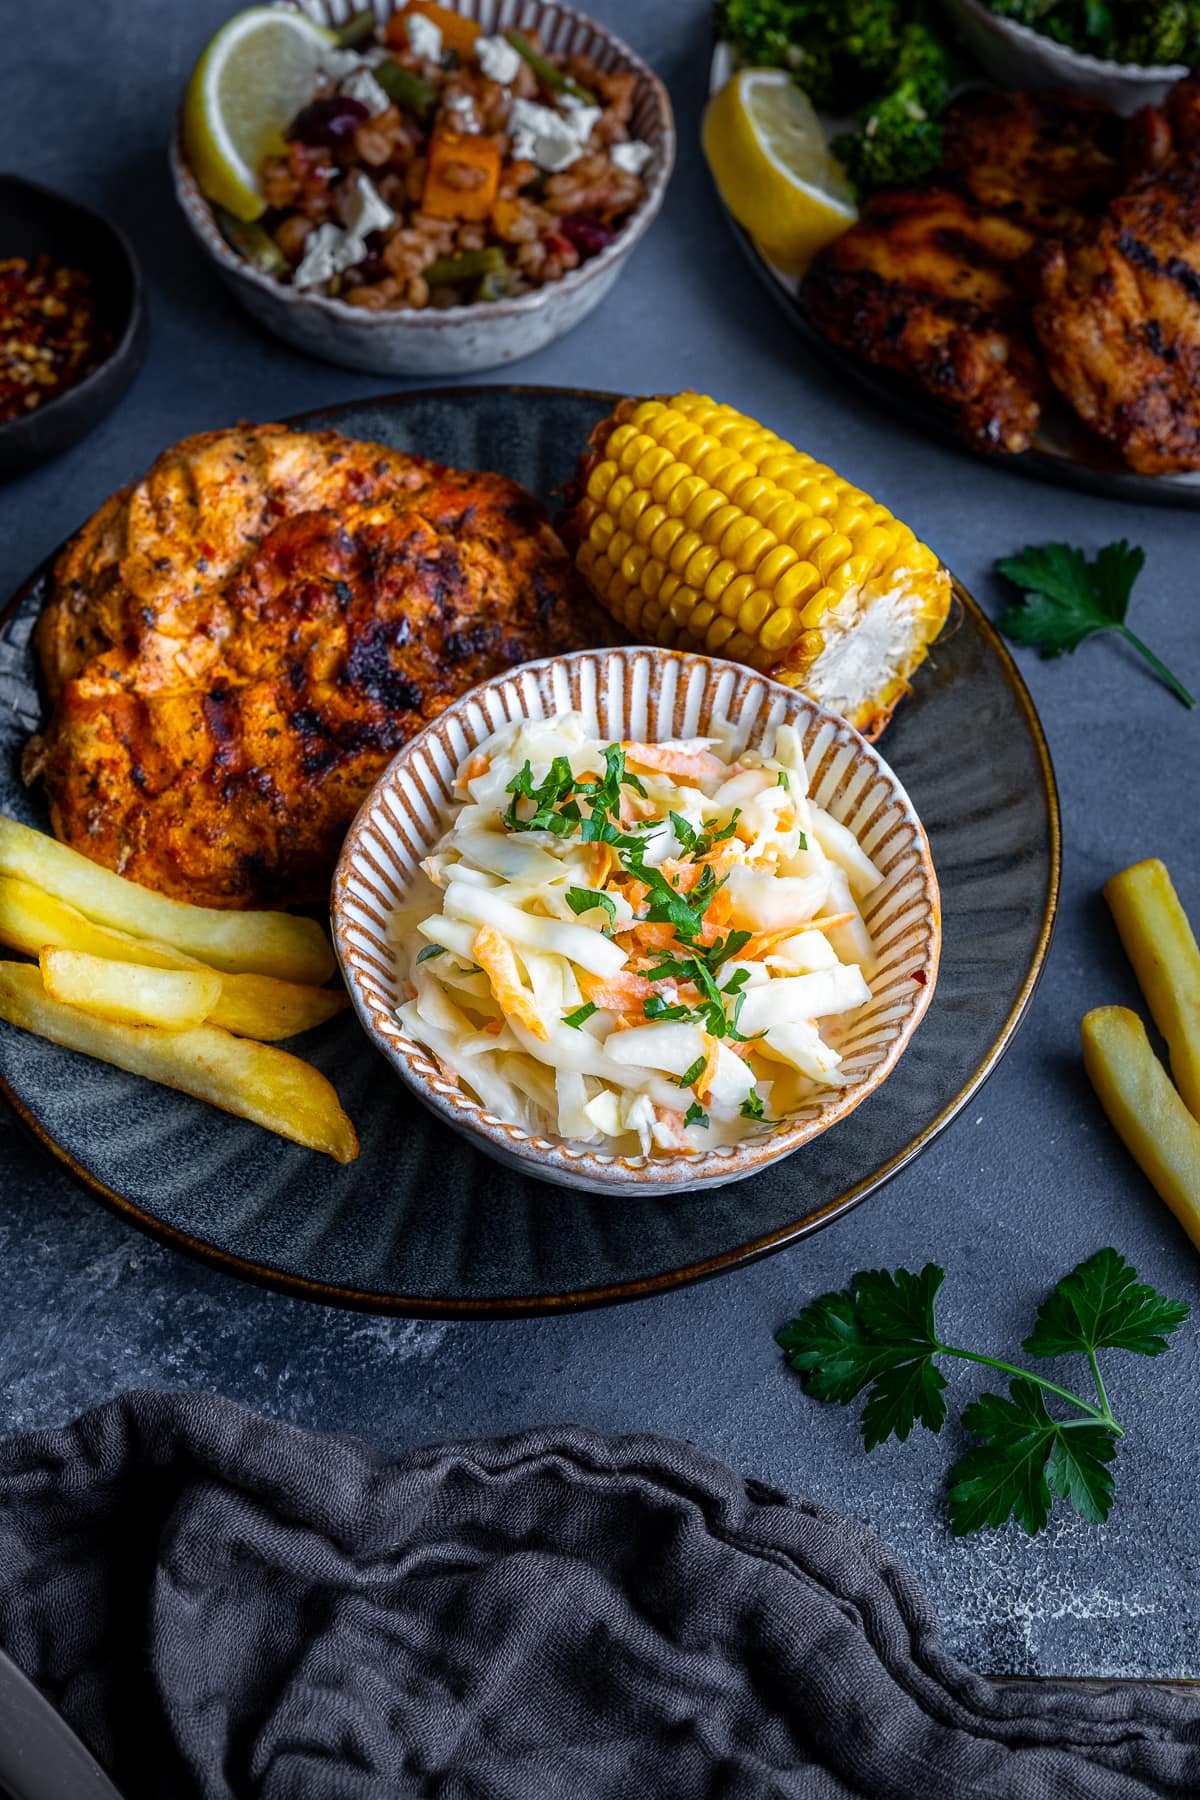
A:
<point x="827" y="924"/>
<point x="763" y="942"/>
<point x="646" y="935"/>
<point x="620" y="993"/>
<point x="712" y="1059"/>
<point x="494" y="1027"/>
<point x="602" y="862"/>
<point x="691" y="765"/>
<point x="673" y="1125"/>
<point x="494" y="954"/>
<point x="473" y="768"/>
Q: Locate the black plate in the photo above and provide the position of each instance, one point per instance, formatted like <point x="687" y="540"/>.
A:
<point x="423" y="1223"/>
<point x="35" y="221"/>
<point x="1064" y="451"/>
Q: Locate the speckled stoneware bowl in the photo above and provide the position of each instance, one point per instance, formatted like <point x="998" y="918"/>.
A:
<point x="646" y="694"/>
<point x="1017" y="57"/>
<point x="456" y="339"/>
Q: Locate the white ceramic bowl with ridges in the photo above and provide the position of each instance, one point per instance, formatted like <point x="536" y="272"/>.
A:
<point x="1017" y="57"/>
<point x="649" y="695"/>
<point x="454" y="340"/>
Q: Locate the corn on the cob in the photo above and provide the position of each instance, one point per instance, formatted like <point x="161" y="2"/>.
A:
<point x="697" y="527"/>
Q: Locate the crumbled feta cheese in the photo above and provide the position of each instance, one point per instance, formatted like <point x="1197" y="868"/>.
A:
<point x="361" y="85"/>
<point x="542" y="136"/>
<point x="631" y="157"/>
<point x="498" y="60"/>
<point x="463" y="108"/>
<point x="580" y="116"/>
<point x="424" y="37"/>
<point x="338" y="64"/>
<point x="362" y="209"/>
<point x="327" y="251"/>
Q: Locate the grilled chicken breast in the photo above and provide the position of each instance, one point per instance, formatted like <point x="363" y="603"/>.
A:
<point x="1046" y="160"/>
<point x="1117" y="313"/>
<point x="923" y="285"/>
<point x="236" y="646"/>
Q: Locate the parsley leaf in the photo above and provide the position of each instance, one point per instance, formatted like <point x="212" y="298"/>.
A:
<point x="1101" y="1305"/>
<point x="1024" y="1458"/>
<point x="692" y="1074"/>
<point x="430" y="951"/>
<point x="784" y="782"/>
<point x="695" y="1115"/>
<point x="580" y="1015"/>
<point x="582" y="900"/>
<point x="880" y="1336"/>
<point x="655" y="1007"/>
<point x="752" y="1105"/>
<point x="1065" y="599"/>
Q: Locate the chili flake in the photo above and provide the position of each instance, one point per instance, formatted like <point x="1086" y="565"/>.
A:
<point x="51" y="334"/>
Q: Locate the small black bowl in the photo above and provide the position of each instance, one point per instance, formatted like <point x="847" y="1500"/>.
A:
<point x="34" y="221"/>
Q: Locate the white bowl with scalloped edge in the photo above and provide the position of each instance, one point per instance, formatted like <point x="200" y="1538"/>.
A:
<point x="650" y="695"/>
<point x="1017" y="57"/>
<point x="454" y="340"/>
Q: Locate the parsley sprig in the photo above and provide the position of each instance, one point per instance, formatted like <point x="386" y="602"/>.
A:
<point x="1065" y="599"/>
<point x="880" y="1335"/>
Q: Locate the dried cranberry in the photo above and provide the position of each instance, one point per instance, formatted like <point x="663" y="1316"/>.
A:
<point x="588" y="237"/>
<point x="328" y="121"/>
<point x="371" y="268"/>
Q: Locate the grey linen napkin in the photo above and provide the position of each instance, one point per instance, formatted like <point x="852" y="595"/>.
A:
<point x="222" y="1606"/>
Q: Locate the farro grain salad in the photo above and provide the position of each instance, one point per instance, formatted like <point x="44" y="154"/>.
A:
<point x="437" y="166"/>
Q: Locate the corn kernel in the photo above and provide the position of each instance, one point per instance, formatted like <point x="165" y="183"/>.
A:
<point x="818" y="606"/>
<point x="600" y="480"/>
<point x="811" y="532"/>
<point x="618" y="587"/>
<point x="683" y="493"/>
<point x="650" y="464"/>
<point x="683" y="603"/>
<point x="718" y="633"/>
<point x="633" y="509"/>
<point x="645" y="411"/>
<point x="700" y="565"/>
<point x="773" y="565"/>
<point x="667" y="534"/>
<point x="718" y="580"/>
<point x="651" y="578"/>
<point x="736" y="594"/>
<point x="618" y="544"/>
<point x="753" y="612"/>
<point x="652" y="614"/>
<point x="683" y="551"/>
<point x="796" y="584"/>
<point x="781" y="629"/>
<point x="739" y="646"/>
<point x="664" y="482"/>
<point x="703" y="507"/>
<point x="620" y="438"/>
<point x="668" y="633"/>
<point x="784" y="516"/>
<point x="632" y="564"/>
<point x="648" y="522"/>
<point x="755" y="493"/>
<point x="758" y="658"/>
<point x="602" y="573"/>
<point x="830" y="552"/>
<point x="754" y="546"/>
<point x="618" y="494"/>
<point x="601" y="530"/>
<point x="701" y="618"/>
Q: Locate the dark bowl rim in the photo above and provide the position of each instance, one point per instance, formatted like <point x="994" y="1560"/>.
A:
<point x="585" y="1299"/>
<point x="126" y="342"/>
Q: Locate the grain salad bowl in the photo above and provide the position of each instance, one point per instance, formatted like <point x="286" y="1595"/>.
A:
<point x="649" y="695"/>
<point x="457" y="339"/>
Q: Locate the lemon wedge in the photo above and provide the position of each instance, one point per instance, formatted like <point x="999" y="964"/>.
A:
<point x="769" y="159"/>
<point x="254" y="76"/>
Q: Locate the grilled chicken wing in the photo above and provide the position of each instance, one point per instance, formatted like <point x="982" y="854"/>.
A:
<point x="1046" y="160"/>
<point x="923" y="285"/>
<point x="1118" y="310"/>
<point x="236" y="646"/>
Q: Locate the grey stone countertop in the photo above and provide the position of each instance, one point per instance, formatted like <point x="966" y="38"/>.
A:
<point x="1025" y="1183"/>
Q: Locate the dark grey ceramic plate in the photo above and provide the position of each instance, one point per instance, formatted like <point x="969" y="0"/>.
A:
<point x="1064" y="452"/>
<point x="40" y="1757"/>
<point x="423" y="1223"/>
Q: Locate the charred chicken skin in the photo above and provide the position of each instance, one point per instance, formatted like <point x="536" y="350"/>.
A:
<point x="923" y="285"/>
<point x="236" y="646"/>
<point x="1118" y="309"/>
<point x="1048" y="161"/>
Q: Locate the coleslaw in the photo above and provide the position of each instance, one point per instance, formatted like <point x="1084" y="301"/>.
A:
<point x="641" y="947"/>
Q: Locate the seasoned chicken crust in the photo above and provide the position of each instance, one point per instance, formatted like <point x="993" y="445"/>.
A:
<point x="236" y="645"/>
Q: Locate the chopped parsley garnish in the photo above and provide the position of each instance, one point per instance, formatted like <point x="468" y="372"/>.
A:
<point x="430" y="951"/>
<point x="695" y="1115"/>
<point x="784" y="781"/>
<point x="752" y="1106"/>
<point x="655" y="1007"/>
<point x="690" y="1075"/>
<point x="580" y="1015"/>
<point x="582" y="900"/>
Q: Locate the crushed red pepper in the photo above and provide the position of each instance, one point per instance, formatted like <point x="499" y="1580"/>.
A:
<point x="51" y="332"/>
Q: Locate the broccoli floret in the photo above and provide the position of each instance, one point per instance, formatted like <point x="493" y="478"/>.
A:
<point x="1162" y="31"/>
<point x="897" y="143"/>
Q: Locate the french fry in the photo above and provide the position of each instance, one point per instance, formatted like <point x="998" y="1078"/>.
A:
<point x="1149" y="1117"/>
<point x="1161" y="945"/>
<point x="253" y="1080"/>
<point x="255" y="1006"/>
<point x="130" y="993"/>
<point x="262" y="943"/>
